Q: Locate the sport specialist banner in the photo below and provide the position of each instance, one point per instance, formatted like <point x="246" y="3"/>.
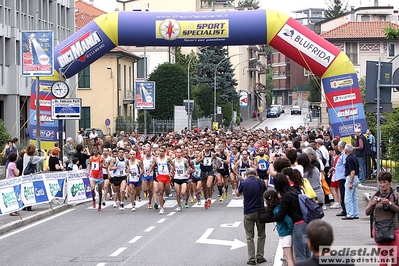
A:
<point x="223" y="28"/>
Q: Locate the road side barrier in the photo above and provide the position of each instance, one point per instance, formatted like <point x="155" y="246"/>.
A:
<point x="42" y="188"/>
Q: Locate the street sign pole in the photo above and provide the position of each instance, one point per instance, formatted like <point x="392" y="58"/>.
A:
<point x="60" y="135"/>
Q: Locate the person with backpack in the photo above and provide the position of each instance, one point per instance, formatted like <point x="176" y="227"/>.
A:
<point x="289" y="205"/>
<point x="312" y="173"/>
<point x="362" y="149"/>
<point x="30" y="157"/>
<point x="284" y="227"/>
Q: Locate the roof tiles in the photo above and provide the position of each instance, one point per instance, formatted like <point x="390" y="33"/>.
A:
<point x="359" y="30"/>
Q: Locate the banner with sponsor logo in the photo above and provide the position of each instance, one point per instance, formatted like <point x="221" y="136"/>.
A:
<point x="54" y="183"/>
<point x="222" y="28"/>
<point x="79" y="189"/>
<point x="144" y="95"/>
<point x="243" y="99"/>
<point x="11" y="199"/>
<point x="33" y="190"/>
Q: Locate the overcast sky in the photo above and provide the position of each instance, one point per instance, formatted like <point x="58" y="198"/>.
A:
<point x="285" y="6"/>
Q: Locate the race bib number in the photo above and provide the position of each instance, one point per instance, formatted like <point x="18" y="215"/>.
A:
<point x="95" y="166"/>
<point x="243" y="174"/>
<point x="197" y="173"/>
<point x="207" y="161"/>
<point x="134" y="178"/>
<point x="262" y="166"/>
<point x="163" y="170"/>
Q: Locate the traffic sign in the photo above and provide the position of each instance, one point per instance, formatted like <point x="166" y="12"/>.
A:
<point x="68" y="109"/>
<point x="107" y="122"/>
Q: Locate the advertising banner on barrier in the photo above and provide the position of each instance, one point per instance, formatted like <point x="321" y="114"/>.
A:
<point x="10" y="190"/>
<point x="78" y="187"/>
<point x="54" y="183"/>
<point x="33" y="190"/>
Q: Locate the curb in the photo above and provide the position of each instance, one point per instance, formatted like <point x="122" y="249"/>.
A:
<point x="33" y="218"/>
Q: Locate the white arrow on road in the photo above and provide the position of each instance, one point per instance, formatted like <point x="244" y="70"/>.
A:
<point x="205" y="240"/>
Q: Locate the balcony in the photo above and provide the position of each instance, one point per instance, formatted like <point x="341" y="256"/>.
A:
<point x="215" y="4"/>
<point x="128" y="96"/>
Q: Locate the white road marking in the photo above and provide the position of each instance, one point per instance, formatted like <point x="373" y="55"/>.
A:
<point x="35" y="223"/>
<point x="135" y="239"/>
<point x="235" y="244"/>
<point x="235" y="224"/>
<point x="236" y="203"/>
<point x="101" y="264"/>
<point x="161" y="220"/>
<point x="170" y="203"/>
<point x="279" y="255"/>
<point x="117" y="252"/>
<point x="202" y="204"/>
<point x="171" y="213"/>
<point x="149" y="229"/>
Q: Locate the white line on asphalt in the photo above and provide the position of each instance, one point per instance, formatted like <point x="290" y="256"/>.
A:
<point x="101" y="264"/>
<point x="149" y="229"/>
<point x="117" y="252"/>
<point x="171" y="213"/>
<point x="36" y="223"/>
<point x="161" y="220"/>
<point x="279" y="255"/>
<point x="134" y="240"/>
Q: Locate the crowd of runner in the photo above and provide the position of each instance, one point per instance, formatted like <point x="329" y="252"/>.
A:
<point x="194" y="164"/>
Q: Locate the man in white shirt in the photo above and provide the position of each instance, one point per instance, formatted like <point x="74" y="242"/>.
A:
<point x="79" y="138"/>
<point x="93" y="134"/>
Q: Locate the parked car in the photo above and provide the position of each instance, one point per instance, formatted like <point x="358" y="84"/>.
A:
<point x="99" y="131"/>
<point x="279" y="108"/>
<point x="296" y="110"/>
<point x="272" y="112"/>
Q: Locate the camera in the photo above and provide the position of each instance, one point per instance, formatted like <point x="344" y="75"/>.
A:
<point x="378" y="199"/>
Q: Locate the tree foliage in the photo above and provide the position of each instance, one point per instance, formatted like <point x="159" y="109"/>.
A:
<point x="335" y="8"/>
<point x="4" y="135"/>
<point x="203" y="100"/>
<point x="314" y="89"/>
<point x="391" y="33"/>
<point x="254" y="4"/>
<point x="208" y="60"/>
<point x="171" y="89"/>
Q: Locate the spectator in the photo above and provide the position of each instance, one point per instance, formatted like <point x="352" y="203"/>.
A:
<point x="373" y="148"/>
<point x="82" y="155"/>
<point x="93" y="134"/>
<point x="79" y="138"/>
<point x="352" y="181"/>
<point x="10" y="147"/>
<point x="12" y="170"/>
<point x="54" y="163"/>
<point x="69" y="151"/>
<point x="253" y="189"/>
<point x="362" y="151"/>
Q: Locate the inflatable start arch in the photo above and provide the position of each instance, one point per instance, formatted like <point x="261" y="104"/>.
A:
<point x="277" y="29"/>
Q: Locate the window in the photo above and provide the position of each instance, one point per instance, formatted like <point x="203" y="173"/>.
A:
<point x="391" y="50"/>
<point x="84" y="121"/>
<point x="140" y="68"/>
<point x="84" y="78"/>
<point x="351" y="50"/>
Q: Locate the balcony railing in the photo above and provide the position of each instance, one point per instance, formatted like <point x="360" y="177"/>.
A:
<point x="128" y="96"/>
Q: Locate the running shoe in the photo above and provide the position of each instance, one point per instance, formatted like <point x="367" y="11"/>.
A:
<point x="161" y="211"/>
<point x="145" y="194"/>
<point x="221" y="198"/>
<point x="199" y="202"/>
<point x="173" y="189"/>
<point x="170" y="195"/>
<point x="133" y="209"/>
<point x="139" y="199"/>
<point x="103" y="203"/>
<point x="166" y="197"/>
<point x="149" y="206"/>
<point x="116" y="203"/>
<point x="233" y="193"/>
<point x="93" y="204"/>
<point x="192" y="200"/>
<point x="178" y="209"/>
<point x="324" y="207"/>
<point x="156" y="206"/>
<point x="121" y="207"/>
<point x="209" y="203"/>
<point x="226" y="194"/>
<point x="125" y="196"/>
<point x="186" y="205"/>
<point x="206" y="205"/>
<point x="99" y="208"/>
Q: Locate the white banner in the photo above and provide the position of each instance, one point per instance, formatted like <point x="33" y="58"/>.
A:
<point x="54" y="182"/>
<point x="33" y="190"/>
<point x="79" y="189"/>
<point x="10" y="191"/>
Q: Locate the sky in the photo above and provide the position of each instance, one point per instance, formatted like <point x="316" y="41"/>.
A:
<point x="285" y="6"/>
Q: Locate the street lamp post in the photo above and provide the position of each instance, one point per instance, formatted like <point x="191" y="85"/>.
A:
<point x="188" y="91"/>
<point x="214" y="92"/>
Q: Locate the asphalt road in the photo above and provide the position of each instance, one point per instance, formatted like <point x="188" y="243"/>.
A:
<point x="285" y="120"/>
<point x="195" y="236"/>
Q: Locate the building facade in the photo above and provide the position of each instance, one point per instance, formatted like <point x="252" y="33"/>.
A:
<point x="17" y="16"/>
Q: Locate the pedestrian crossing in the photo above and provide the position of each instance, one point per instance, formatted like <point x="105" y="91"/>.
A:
<point x="171" y="203"/>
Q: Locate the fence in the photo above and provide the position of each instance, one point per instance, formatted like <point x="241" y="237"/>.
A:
<point x="157" y="126"/>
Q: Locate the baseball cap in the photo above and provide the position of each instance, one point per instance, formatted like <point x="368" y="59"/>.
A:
<point x="358" y="130"/>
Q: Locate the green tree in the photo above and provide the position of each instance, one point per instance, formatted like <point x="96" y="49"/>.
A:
<point x="314" y="89"/>
<point x="183" y="59"/>
<point x="203" y="100"/>
<point x="4" y="137"/>
<point x="208" y="59"/>
<point x="171" y="89"/>
<point x="391" y="33"/>
<point x="254" y="4"/>
<point x="335" y="8"/>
